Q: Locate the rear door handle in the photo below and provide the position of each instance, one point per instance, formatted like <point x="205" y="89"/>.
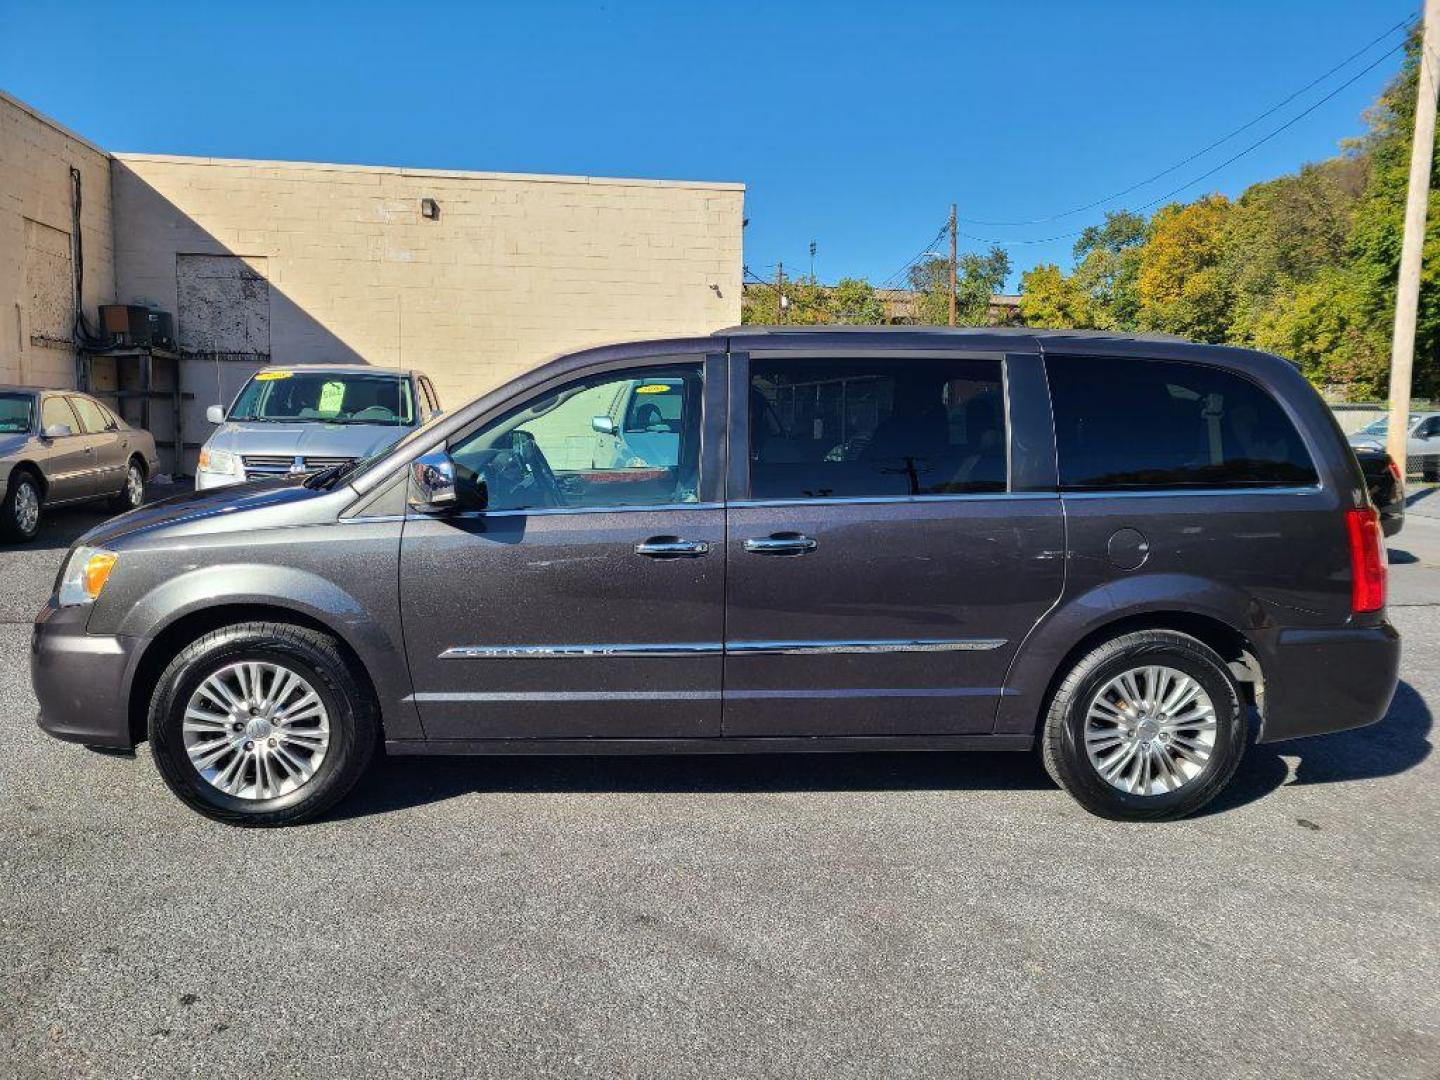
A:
<point x="781" y="544"/>
<point x="671" y="547"/>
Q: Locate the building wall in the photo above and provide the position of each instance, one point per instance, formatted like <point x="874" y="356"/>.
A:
<point x="36" y="268"/>
<point x="272" y="262"/>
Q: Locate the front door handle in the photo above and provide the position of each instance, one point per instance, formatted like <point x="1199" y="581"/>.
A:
<point x="781" y="544"/>
<point x="671" y="547"/>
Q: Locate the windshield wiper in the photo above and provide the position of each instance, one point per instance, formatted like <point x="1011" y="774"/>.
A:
<point x="328" y="478"/>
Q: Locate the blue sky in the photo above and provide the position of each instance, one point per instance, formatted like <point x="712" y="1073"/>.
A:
<point x="853" y="124"/>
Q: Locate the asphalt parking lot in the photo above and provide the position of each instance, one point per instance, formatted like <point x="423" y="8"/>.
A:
<point x="850" y="916"/>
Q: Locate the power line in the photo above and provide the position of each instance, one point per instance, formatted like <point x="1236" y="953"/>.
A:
<point x="1210" y="172"/>
<point x="929" y="246"/>
<point x="1403" y="24"/>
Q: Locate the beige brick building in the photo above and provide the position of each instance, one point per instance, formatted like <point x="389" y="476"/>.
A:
<point x="285" y="262"/>
<point x="37" y="303"/>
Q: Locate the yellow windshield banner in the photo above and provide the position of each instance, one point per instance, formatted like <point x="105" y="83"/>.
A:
<point x="654" y="388"/>
<point x="271" y="376"/>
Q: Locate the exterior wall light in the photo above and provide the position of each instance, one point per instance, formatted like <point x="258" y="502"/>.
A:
<point x="429" y="208"/>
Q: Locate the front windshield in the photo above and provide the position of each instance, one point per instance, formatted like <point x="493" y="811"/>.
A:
<point x="16" y="411"/>
<point x="1379" y="427"/>
<point x="325" y="398"/>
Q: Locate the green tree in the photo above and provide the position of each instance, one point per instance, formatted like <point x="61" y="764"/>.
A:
<point x="807" y="303"/>
<point x="1108" y="270"/>
<point x="853" y="301"/>
<point x="1282" y="234"/>
<point x="977" y="278"/>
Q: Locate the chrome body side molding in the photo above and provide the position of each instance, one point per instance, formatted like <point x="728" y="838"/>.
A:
<point x="703" y="648"/>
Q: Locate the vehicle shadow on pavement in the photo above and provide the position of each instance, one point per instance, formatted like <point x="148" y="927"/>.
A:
<point x="398" y="783"/>
<point x="1397" y="743"/>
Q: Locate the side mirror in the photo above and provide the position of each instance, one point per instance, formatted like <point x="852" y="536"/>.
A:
<point x="432" y="483"/>
<point x="215" y="414"/>
<point x="603" y="424"/>
<point x="57" y="431"/>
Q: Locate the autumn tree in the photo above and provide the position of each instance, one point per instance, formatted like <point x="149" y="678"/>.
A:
<point x="1182" y="289"/>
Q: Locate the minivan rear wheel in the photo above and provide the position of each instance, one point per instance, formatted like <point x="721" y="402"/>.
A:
<point x="261" y="724"/>
<point x="1148" y="726"/>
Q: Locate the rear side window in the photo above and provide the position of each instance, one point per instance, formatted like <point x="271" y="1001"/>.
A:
<point x="91" y="415"/>
<point x="875" y="427"/>
<point x="1154" y="424"/>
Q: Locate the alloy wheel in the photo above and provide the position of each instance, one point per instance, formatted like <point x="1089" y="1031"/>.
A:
<point x="134" y="486"/>
<point x="256" y="730"/>
<point x="27" y="507"/>
<point x="1150" y="730"/>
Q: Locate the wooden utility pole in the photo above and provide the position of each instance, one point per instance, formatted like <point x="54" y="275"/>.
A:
<point x="953" y="267"/>
<point x="780" y="291"/>
<point x="1407" y="291"/>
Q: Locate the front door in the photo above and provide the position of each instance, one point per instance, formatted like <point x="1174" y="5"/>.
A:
<point x="883" y="563"/>
<point x="586" y="598"/>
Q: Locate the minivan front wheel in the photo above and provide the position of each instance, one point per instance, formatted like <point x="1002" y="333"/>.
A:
<point x="1147" y="726"/>
<point x="261" y="724"/>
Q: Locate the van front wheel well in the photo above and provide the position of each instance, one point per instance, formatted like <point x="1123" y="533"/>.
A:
<point x="169" y="643"/>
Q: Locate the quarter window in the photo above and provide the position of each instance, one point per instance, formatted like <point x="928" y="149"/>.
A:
<point x="875" y="427"/>
<point x="584" y="445"/>
<point x="1155" y="425"/>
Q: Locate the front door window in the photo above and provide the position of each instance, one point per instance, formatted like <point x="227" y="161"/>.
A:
<point x="628" y="438"/>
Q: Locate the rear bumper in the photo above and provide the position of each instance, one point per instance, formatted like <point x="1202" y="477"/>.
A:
<point x="81" y="679"/>
<point x="1392" y="518"/>
<point x="1318" y="681"/>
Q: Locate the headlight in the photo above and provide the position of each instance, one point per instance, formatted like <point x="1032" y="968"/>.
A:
<point x="219" y="461"/>
<point x="85" y="574"/>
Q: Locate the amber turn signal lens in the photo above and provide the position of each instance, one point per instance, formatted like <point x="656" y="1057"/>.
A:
<point x="97" y="572"/>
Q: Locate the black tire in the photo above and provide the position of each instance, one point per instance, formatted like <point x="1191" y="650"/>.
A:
<point x="316" y="657"/>
<point x="1063" y="738"/>
<point x="1430" y="469"/>
<point x="131" y="495"/>
<point x="12" y="528"/>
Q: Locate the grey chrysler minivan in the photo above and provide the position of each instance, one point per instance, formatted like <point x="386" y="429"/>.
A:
<point x="1112" y="549"/>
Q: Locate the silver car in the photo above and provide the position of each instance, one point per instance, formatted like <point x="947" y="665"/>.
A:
<point x="295" y="420"/>
<point x="1422" y="446"/>
<point x="58" y="447"/>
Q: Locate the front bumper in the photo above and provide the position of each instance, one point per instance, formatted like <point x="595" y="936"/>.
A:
<point x="1319" y="681"/>
<point x="204" y="481"/>
<point x="81" y="680"/>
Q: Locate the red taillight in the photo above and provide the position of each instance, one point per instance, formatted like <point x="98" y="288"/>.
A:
<point x="1395" y="471"/>
<point x="1367" y="560"/>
